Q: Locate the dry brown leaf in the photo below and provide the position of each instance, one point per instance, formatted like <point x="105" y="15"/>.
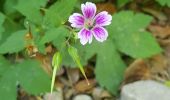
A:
<point x="105" y="95"/>
<point x="82" y="86"/>
<point x="154" y="68"/>
<point x="46" y="62"/>
<point x="109" y="7"/>
<point x="22" y="95"/>
<point x="49" y="49"/>
<point x="159" y="31"/>
<point x="138" y="70"/>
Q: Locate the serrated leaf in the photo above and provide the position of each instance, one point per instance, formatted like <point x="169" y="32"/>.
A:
<point x="32" y="78"/>
<point x="109" y="66"/>
<point x="31" y="9"/>
<point x="164" y="2"/>
<point x="128" y="31"/>
<point x="29" y="75"/>
<point x="14" y="43"/>
<point x="2" y="19"/>
<point x="59" y="12"/>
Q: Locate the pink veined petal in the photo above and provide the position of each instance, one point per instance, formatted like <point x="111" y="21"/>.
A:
<point x="103" y="19"/>
<point x="100" y="33"/>
<point x="88" y="9"/>
<point x="76" y="20"/>
<point x="85" y="36"/>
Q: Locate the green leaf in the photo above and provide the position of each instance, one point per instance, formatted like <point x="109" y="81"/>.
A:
<point x="94" y="1"/>
<point x="74" y="54"/>
<point x="55" y="35"/>
<point x="67" y="59"/>
<point x="9" y="6"/>
<point x="32" y="78"/>
<point x="8" y="85"/>
<point x="164" y="2"/>
<point x="14" y="43"/>
<point x="31" y="9"/>
<point x="128" y="31"/>
<point x="121" y="3"/>
<point x="57" y="59"/>
<point x="4" y="65"/>
<point x="59" y="12"/>
<point x="167" y="83"/>
<point x="2" y="19"/>
<point x="109" y="66"/>
<point x="56" y="62"/>
<point x="29" y="75"/>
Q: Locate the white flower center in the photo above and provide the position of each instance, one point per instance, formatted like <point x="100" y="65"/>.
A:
<point x="89" y="23"/>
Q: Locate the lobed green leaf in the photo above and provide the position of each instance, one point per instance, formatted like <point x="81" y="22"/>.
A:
<point x="14" y="43"/>
<point x="128" y="30"/>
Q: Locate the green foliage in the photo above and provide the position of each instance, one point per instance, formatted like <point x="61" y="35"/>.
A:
<point x="40" y="81"/>
<point x="109" y="66"/>
<point x="74" y="54"/>
<point x="167" y="83"/>
<point x="56" y="36"/>
<point x="121" y="3"/>
<point x="4" y="65"/>
<point x="31" y="9"/>
<point x="14" y="43"/>
<point x="128" y="32"/>
<point x="28" y="74"/>
<point x="59" y="12"/>
<point x="47" y="23"/>
<point x="164" y="2"/>
<point x="8" y="84"/>
<point x="9" y="6"/>
<point x="2" y="19"/>
<point x="56" y="62"/>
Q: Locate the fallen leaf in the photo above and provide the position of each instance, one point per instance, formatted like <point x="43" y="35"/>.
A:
<point x="160" y="31"/>
<point x="138" y="70"/>
<point x="154" y="68"/>
<point x="109" y="7"/>
<point x="82" y="86"/>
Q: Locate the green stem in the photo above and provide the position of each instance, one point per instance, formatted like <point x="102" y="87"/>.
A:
<point x="53" y="78"/>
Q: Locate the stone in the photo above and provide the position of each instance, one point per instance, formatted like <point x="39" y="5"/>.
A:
<point x="55" y="95"/>
<point x="145" y="90"/>
<point x="82" y="97"/>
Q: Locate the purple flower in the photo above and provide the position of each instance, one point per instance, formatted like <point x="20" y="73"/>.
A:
<point x="90" y="23"/>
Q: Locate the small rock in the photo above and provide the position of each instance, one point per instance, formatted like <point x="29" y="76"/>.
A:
<point x="97" y="93"/>
<point x="82" y="97"/>
<point x="145" y="90"/>
<point x="58" y="95"/>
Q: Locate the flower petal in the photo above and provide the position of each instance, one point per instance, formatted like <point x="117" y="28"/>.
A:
<point x="100" y="33"/>
<point x="103" y="18"/>
<point x="85" y="36"/>
<point x="88" y="9"/>
<point x="76" y="20"/>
